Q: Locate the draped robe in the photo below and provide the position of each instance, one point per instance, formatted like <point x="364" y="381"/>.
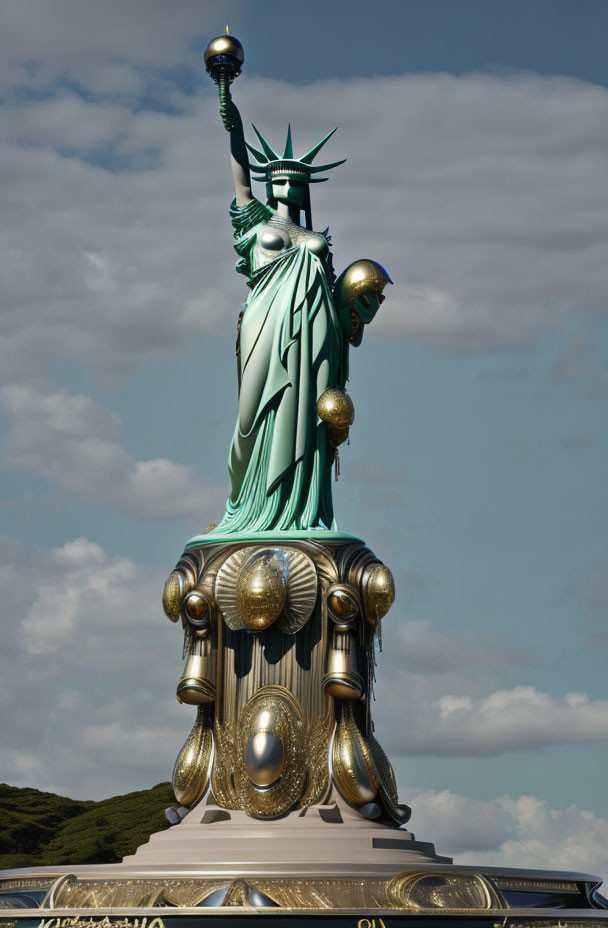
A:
<point x="292" y="348"/>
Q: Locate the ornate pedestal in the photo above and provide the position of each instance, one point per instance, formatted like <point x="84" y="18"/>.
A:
<point x="279" y="640"/>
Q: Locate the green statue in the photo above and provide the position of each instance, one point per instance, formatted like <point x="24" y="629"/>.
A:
<point x="293" y="340"/>
<point x="281" y="611"/>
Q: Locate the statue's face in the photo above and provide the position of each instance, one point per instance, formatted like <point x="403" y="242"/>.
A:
<point x="361" y="312"/>
<point x="288" y="190"/>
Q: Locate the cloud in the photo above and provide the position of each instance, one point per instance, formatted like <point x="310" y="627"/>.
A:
<point x="485" y="201"/>
<point x="70" y="441"/>
<point x="518" y="719"/>
<point x="507" y="832"/>
<point x="101" y="46"/>
<point x="87" y="671"/>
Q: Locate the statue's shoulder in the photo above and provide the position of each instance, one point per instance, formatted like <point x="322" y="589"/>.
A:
<point x="244" y="218"/>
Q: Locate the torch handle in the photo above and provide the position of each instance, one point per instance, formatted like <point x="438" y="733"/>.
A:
<point x="225" y="101"/>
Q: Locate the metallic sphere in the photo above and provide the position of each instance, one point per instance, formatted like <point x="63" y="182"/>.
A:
<point x="336" y="408"/>
<point x="224" y="45"/>
<point x="342" y="604"/>
<point x="261" y="591"/>
<point x="378" y="592"/>
<point x="264" y="758"/>
<point x="172" y="595"/>
<point x="359" y="278"/>
<point x="197" y="607"/>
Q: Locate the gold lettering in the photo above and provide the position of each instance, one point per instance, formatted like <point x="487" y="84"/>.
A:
<point x="105" y="922"/>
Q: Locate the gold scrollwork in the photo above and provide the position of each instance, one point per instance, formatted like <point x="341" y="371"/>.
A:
<point x="446" y="891"/>
<point x="191" y="771"/>
<point x="276" y="710"/>
<point x="354" y="770"/>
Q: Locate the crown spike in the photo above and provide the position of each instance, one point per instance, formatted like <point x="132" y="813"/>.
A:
<point x="325" y="167"/>
<point x="271" y="154"/>
<point x="288" y="153"/>
<point x="314" y="151"/>
<point x="258" y="154"/>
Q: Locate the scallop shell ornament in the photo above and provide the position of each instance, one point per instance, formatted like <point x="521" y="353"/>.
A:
<point x="251" y="580"/>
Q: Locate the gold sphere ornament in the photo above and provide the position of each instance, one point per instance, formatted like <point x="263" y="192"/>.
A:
<point x="264" y="759"/>
<point x="343" y="605"/>
<point x="359" y="278"/>
<point x="261" y="591"/>
<point x="197" y="608"/>
<point x="224" y="57"/>
<point x="172" y="595"/>
<point x="378" y="592"/>
<point x="336" y="408"/>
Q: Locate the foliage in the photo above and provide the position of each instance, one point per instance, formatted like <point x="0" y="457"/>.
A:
<point x="44" y="829"/>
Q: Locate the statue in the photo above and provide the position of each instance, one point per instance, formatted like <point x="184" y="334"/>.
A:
<point x="293" y="337"/>
<point x="286" y="802"/>
<point x="281" y="610"/>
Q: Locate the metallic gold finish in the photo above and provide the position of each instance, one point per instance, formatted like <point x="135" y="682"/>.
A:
<point x="388" y="784"/>
<point x="225" y="587"/>
<point x="301" y="591"/>
<point x="197" y="607"/>
<point x="261" y="591"/>
<point x="172" y="595"/>
<point x="355" y="325"/>
<point x="242" y="893"/>
<point x="318" y="657"/>
<point x="458" y="891"/>
<point x="224" y="45"/>
<point x="336" y="408"/>
<point x="378" y="592"/>
<point x="354" y="770"/>
<point x="275" y="710"/>
<point x="192" y="768"/>
<point x="434" y="891"/>
<point x="342" y="602"/>
<point x="194" y="892"/>
<point x="342" y="679"/>
<point x="197" y="685"/>
<point x="322" y="893"/>
<point x="317" y="738"/>
<point x="301" y="585"/>
<point x="415" y="892"/>
<point x="264" y="758"/>
<point x="339" y="436"/>
<point x="359" y="278"/>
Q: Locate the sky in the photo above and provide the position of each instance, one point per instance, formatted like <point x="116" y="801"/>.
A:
<point x="476" y="134"/>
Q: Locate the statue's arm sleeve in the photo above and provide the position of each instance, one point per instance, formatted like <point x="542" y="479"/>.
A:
<point x="245" y="220"/>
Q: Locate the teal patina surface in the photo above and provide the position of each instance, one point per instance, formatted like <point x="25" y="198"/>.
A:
<point x="291" y="349"/>
<point x="292" y="345"/>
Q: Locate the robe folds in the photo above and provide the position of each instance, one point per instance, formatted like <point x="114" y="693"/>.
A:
<point x="291" y="348"/>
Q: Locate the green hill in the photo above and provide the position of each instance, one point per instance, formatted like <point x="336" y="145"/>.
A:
<point x="44" y="829"/>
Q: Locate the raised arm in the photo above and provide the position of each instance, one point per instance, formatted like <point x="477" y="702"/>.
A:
<point x="238" y="150"/>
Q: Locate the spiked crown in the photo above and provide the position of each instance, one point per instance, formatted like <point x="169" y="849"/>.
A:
<point x="271" y="164"/>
